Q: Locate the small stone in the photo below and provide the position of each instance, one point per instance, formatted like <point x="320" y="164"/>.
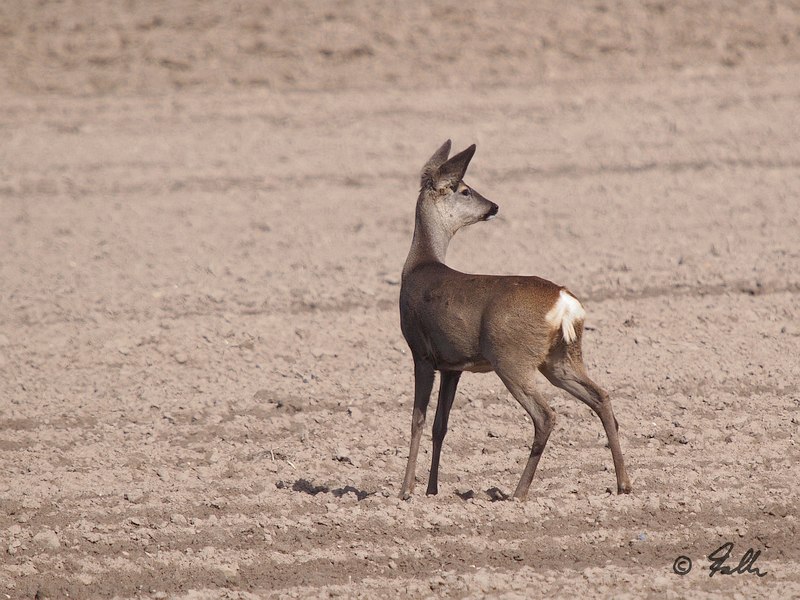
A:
<point x="32" y="503"/>
<point x="181" y="358"/>
<point x="134" y="496"/>
<point x="350" y="497"/>
<point x="465" y="493"/>
<point x="341" y="456"/>
<point x="776" y="510"/>
<point x="178" y="519"/>
<point x="47" y="538"/>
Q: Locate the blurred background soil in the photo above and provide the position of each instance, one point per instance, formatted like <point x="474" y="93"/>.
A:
<point x="204" y="211"/>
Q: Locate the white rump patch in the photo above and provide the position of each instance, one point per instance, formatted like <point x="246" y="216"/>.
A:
<point x="566" y="311"/>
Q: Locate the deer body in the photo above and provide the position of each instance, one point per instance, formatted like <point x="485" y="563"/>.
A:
<point x="513" y="325"/>
<point x="459" y="322"/>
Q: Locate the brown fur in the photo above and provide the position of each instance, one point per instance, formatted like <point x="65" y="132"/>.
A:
<point x="455" y="322"/>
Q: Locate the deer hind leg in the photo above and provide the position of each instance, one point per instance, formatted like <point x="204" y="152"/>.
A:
<point x="447" y="393"/>
<point x="567" y="372"/>
<point x="423" y="384"/>
<point x="543" y="417"/>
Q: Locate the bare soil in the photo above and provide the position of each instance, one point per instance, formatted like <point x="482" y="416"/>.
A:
<point x="204" y="211"/>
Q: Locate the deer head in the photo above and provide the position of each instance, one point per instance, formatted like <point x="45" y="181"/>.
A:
<point x="445" y="201"/>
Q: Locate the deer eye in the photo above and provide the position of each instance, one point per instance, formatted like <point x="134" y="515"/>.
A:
<point x="465" y="192"/>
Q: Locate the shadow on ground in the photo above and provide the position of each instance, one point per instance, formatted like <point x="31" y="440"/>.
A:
<point x="307" y="487"/>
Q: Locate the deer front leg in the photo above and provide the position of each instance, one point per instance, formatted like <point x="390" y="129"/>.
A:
<point x="423" y="384"/>
<point x="447" y="393"/>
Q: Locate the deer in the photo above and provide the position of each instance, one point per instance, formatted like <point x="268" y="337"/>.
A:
<point x="514" y="326"/>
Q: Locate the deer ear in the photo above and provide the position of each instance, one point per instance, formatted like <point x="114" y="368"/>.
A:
<point x="434" y="162"/>
<point x="451" y="172"/>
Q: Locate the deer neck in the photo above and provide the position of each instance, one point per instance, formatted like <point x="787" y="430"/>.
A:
<point x="431" y="238"/>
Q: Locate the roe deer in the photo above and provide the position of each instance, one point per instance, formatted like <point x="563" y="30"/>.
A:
<point x="512" y="325"/>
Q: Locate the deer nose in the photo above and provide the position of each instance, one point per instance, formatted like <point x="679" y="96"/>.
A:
<point x="492" y="212"/>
